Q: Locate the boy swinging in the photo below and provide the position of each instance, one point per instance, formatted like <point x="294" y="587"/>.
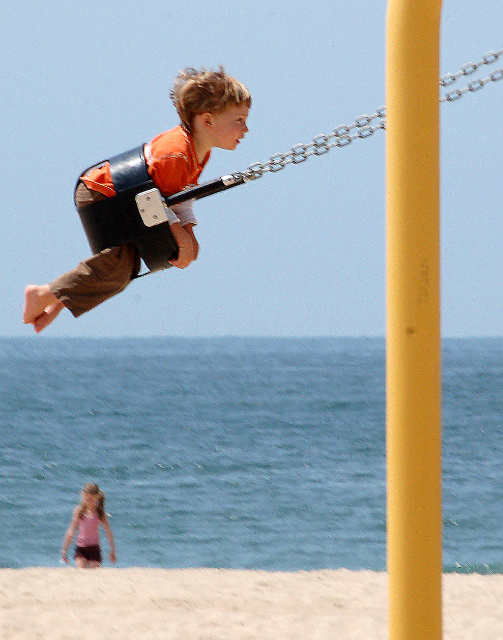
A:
<point x="213" y="110"/>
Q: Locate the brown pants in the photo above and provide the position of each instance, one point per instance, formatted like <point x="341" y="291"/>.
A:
<point x="99" y="277"/>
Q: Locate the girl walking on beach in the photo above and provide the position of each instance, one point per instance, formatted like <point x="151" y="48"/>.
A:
<point x="87" y="517"/>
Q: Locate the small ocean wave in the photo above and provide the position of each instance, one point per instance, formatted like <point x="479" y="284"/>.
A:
<point x="468" y="567"/>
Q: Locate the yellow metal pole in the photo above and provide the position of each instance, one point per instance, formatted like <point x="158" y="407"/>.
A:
<point x="413" y="360"/>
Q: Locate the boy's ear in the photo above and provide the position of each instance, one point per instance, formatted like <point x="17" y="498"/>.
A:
<point x="207" y="120"/>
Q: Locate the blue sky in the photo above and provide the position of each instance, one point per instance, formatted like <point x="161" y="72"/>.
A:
<point x="297" y="253"/>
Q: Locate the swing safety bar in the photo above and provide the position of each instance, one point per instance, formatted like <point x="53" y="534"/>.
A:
<point x="207" y="188"/>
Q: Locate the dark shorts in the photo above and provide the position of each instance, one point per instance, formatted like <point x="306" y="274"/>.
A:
<point x="89" y="553"/>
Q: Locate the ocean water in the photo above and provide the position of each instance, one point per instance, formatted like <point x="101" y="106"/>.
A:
<point x="253" y="453"/>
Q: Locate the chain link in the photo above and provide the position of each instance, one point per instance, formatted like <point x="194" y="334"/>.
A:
<point x="474" y="85"/>
<point x="365" y="126"/>
<point x="467" y="69"/>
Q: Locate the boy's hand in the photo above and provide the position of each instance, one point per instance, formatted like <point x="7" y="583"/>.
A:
<point x="185" y="256"/>
<point x="184" y="237"/>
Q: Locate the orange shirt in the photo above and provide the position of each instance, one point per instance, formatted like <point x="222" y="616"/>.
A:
<point x="171" y="162"/>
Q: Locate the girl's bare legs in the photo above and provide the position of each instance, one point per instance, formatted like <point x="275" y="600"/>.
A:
<point x="40" y="306"/>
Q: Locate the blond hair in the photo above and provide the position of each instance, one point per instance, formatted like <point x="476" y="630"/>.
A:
<point x="92" y="489"/>
<point x="200" y="91"/>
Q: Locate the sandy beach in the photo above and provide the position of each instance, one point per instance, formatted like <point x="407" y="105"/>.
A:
<point x="219" y="604"/>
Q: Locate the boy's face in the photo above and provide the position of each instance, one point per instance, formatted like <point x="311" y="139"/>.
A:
<point x="229" y="127"/>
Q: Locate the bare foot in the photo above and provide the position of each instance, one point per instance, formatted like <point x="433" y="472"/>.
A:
<point x="40" y="306"/>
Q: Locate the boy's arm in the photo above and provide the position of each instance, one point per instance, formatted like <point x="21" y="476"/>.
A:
<point x="184" y="239"/>
<point x="189" y="228"/>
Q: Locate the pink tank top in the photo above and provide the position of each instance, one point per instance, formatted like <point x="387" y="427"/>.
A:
<point x="88" y="533"/>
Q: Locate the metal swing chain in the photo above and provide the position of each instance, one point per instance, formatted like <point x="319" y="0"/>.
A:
<point x="364" y="126"/>
<point x="466" y="70"/>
